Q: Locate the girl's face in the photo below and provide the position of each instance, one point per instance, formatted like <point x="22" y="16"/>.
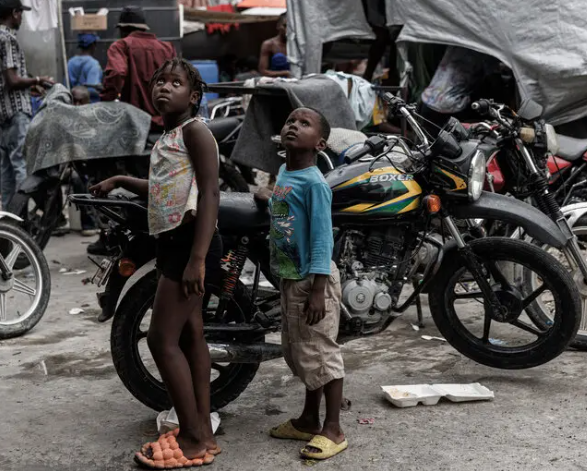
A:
<point x="172" y="93"/>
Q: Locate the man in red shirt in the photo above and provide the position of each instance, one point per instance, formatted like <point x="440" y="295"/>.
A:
<point x="132" y="61"/>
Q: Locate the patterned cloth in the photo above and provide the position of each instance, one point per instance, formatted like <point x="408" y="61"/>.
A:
<point x="173" y="191"/>
<point x="12" y="57"/>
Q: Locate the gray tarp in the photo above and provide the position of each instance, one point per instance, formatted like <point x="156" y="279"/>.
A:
<point x="543" y="41"/>
<point x="62" y="133"/>
<point x="311" y="23"/>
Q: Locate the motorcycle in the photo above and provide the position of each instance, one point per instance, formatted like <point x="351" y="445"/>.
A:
<point x="520" y="147"/>
<point x="386" y="220"/>
<point x="23" y="296"/>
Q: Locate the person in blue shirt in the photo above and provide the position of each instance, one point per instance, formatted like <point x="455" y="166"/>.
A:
<point x="83" y="68"/>
<point x="301" y="244"/>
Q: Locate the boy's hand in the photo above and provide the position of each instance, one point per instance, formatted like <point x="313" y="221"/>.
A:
<point x="193" y="278"/>
<point x="105" y="187"/>
<point x="316" y="309"/>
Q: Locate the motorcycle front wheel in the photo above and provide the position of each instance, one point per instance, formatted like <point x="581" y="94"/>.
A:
<point x="508" y="339"/>
<point x="135" y="365"/>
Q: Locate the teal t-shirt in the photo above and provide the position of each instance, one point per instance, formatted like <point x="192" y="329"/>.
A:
<point x="301" y="224"/>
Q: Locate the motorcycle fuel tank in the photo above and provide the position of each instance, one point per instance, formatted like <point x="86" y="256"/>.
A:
<point x="381" y="191"/>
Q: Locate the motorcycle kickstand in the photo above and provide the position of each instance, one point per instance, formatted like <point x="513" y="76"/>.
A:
<point x="419" y="308"/>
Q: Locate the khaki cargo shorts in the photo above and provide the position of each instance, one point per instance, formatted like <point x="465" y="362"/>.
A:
<point x="311" y="351"/>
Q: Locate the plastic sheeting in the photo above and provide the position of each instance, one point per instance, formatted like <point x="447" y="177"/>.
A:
<point x="544" y="42"/>
<point x="311" y="23"/>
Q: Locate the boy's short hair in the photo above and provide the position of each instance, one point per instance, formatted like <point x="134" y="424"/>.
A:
<point x="324" y="124"/>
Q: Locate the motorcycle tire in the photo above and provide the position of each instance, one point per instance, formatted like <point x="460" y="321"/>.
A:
<point x="535" y="309"/>
<point x="561" y="332"/>
<point x="19" y="205"/>
<point x="232" y="180"/>
<point x="27" y="244"/>
<point x="131" y="369"/>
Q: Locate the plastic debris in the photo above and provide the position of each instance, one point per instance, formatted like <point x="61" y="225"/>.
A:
<point x="63" y="270"/>
<point x="73" y="272"/>
<point x="429" y="394"/>
<point x="497" y="342"/>
<point x="415" y="327"/>
<point x="369" y="421"/>
<point x="75" y="311"/>
<point x="44" y="367"/>
<point x="167" y="421"/>
<point x="430" y="337"/>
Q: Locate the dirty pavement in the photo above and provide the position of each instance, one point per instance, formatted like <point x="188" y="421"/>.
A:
<point x="64" y="408"/>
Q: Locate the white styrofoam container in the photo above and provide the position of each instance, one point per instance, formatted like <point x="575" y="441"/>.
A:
<point x="464" y="392"/>
<point x="411" y="395"/>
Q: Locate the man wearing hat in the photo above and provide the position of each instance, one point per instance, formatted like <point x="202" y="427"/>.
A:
<point x="15" y="99"/>
<point x="132" y="61"/>
<point x="83" y="68"/>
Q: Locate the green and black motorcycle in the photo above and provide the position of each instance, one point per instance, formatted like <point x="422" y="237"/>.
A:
<point x="399" y="232"/>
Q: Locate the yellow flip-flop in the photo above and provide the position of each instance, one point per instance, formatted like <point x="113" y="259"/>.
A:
<point x="287" y="431"/>
<point x="327" y="448"/>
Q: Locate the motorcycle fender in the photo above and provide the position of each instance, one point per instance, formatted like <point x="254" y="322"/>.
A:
<point x="508" y="209"/>
<point x="5" y="214"/>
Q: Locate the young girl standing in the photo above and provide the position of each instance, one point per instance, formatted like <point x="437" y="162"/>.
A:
<point x="183" y="207"/>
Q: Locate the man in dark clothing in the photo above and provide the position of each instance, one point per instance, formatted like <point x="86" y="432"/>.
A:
<point x="132" y="61"/>
<point x="15" y="99"/>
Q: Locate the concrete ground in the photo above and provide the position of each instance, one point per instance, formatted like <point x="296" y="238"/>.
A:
<point x="79" y="417"/>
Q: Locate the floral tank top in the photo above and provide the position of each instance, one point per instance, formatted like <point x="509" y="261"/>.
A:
<point x="173" y="192"/>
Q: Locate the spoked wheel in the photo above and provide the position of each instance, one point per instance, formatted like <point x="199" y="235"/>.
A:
<point x="538" y="310"/>
<point x="39" y="218"/>
<point x="23" y="296"/>
<point x="135" y="365"/>
<point x="507" y="337"/>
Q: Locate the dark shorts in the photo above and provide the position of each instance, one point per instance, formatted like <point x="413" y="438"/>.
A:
<point x="174" y="249"/>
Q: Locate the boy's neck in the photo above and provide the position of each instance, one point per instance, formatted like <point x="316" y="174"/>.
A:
<point x="171" y="121"/>
<point x="299" y="160"/>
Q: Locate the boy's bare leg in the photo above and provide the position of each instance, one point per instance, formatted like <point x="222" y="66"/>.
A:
<point x="309" y="421"/>
<point x="332" y="429"/>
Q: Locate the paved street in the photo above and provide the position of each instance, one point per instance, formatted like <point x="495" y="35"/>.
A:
<point x="77" y="416"/>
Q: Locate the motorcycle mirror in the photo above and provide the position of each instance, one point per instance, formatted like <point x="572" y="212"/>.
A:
<point x="530" y="110"/>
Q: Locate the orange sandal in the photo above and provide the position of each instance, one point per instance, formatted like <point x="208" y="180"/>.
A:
<point x="166" y="454"/>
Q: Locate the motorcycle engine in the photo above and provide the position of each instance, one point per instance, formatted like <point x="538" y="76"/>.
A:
<point x="371" y="262"/>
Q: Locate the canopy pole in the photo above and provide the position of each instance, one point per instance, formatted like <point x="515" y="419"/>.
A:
<point x="62" y="40"/>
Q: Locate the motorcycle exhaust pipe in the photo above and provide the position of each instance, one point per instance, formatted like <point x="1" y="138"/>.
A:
<point x="244" y="353"/>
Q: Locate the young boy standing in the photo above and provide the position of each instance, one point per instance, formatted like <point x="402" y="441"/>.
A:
<point x="301" y="254"/>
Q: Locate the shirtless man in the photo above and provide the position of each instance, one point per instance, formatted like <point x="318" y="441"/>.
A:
<point x="273" y="61"/>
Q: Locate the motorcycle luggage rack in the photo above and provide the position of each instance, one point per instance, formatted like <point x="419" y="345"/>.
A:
<point x="105" y="205"/>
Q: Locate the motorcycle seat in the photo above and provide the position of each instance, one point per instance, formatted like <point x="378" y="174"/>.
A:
<point x="221" y="128"/>
<point x="571" y="148"/>
<point x="239" y="212"/>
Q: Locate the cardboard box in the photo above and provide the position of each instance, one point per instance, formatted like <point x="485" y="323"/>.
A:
<point x="89" y="22"/>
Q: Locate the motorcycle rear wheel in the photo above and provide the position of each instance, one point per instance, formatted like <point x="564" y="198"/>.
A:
<point x="139" y="379"/>
<point x="495" y="352"/>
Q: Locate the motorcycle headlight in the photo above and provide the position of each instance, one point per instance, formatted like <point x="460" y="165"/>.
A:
<point x="551" y="139"/>
<point x="476" y="176"/>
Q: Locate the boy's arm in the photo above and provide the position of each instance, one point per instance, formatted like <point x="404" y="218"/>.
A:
<point x="319" y="198"/>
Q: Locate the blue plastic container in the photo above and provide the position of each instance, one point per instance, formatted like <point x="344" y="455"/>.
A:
<point x="209" y="72"/>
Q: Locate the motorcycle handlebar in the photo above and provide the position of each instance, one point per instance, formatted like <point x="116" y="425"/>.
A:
<point x="373" y="145"/>
<point x="482" y="107"/>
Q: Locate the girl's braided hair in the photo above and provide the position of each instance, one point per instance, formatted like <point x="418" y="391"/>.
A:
<point x="195" y="80"/>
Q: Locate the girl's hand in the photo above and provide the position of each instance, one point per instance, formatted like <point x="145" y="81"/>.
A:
<point x="105" y="187"/>
<point x="193" y="278"/>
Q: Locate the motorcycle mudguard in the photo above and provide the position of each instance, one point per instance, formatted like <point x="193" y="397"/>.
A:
<point x="6" y="214"/>
<point x="513" y="211"/>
